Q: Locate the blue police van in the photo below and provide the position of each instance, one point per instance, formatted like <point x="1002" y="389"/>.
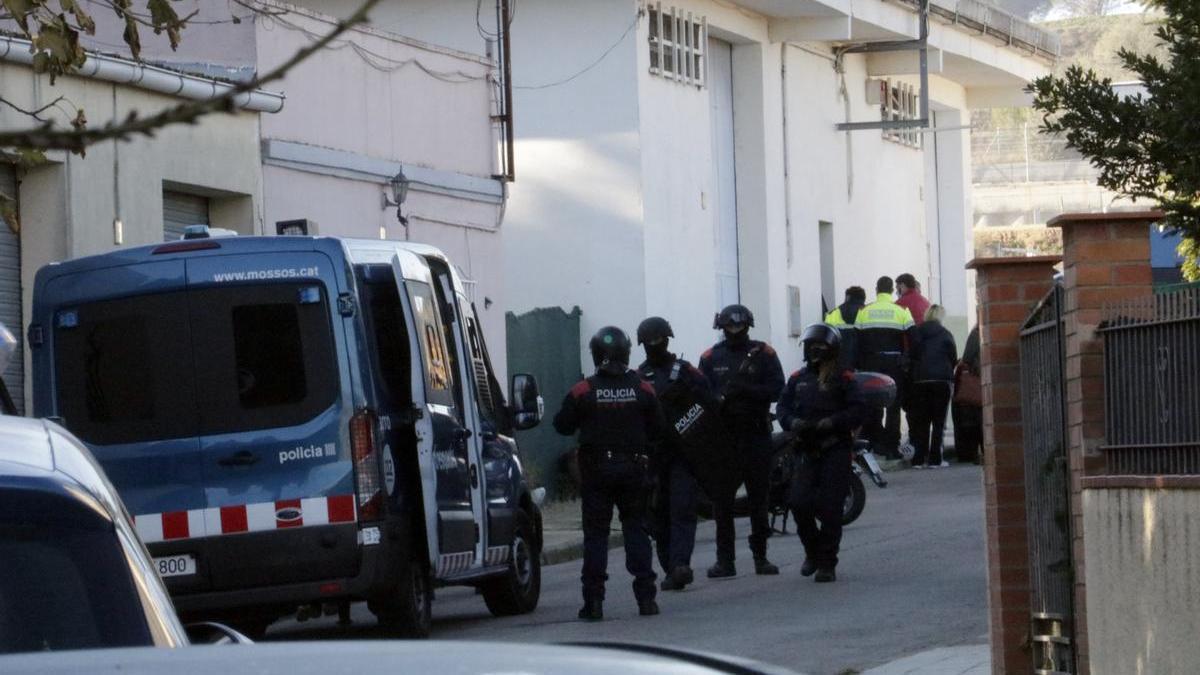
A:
<point x="295" y="423"/>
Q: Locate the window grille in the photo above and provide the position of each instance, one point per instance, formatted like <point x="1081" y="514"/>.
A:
<point x="900" y="101"/>
<point x="678" y="45"/>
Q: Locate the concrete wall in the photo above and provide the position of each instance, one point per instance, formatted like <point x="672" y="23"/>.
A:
<point x="68" y="205"/>
<point x="1143" y="584"/>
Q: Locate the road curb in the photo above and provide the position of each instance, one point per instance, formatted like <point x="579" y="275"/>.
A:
<point x="574" y="550"/>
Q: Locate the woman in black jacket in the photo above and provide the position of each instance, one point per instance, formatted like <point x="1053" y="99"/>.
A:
<point x="934" y="358"/>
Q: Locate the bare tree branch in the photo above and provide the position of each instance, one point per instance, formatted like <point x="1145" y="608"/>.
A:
<point x="35" y="114"/>
<point x="47" y="137"/>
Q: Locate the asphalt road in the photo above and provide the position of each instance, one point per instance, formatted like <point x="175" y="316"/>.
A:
<point x="912" y="577"/>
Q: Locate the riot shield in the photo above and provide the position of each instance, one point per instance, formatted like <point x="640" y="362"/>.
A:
<point x="695" y="428"/>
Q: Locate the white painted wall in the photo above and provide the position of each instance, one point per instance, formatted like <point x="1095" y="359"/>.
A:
<point x="1143" y="584"/>
<point x="948" y="205"/>
<point x="612" y="204"/>
<point x="374" y="99"/>
<point x="449" y="23"/>
<point x="574" y="232"/>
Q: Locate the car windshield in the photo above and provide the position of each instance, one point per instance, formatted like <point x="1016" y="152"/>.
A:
<point x="197" y="362"/>
<point x="64" y="586"/>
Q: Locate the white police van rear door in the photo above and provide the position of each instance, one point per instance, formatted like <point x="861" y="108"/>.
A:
<point x="446" y="438"/>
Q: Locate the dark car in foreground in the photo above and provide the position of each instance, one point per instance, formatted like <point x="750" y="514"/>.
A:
<point x="73" y="573"/>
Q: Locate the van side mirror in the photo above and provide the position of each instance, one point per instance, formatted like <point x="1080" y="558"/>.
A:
<point x="527" y="404"/>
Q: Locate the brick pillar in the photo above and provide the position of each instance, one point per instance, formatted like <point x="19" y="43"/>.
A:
<point x="1106" y="257"/>
<point x="1007" y="288"/>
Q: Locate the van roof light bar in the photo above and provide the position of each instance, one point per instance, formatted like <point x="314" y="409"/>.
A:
<point x="185" y="246"/>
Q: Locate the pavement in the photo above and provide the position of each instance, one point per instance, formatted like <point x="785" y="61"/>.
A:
<point x="562" y="528"/>
<point x="965" y="660"/>
<point x="911" y="594"/>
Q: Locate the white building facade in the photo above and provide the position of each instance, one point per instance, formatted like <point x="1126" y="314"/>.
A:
<point x="718" y="174"/>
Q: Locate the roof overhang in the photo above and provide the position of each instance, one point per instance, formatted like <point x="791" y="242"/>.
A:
<point x="976" y="46"/>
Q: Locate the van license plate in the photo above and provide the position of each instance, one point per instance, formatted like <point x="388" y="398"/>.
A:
<point x="175" y="565"/>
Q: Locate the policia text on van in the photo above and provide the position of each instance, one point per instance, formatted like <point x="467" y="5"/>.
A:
<point x="295" y="440"/>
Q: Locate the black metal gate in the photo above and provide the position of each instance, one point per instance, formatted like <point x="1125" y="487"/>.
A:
<point x="1047" y="484"/>
<point x="1152" y="384"/>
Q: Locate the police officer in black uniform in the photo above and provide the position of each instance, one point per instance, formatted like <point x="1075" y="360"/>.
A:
<point x="746" y="376"/>
<point x="822" y="405"/>
<point x="674" y="517"/>
<point x="619" y="422"/>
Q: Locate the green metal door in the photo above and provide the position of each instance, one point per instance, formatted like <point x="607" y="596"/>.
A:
<point x="545" y="343"/>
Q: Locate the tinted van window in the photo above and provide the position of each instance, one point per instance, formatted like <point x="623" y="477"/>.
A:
<point x="389" y="335"/>
<point x="187" y="363"/>
<point x="264" y="356"/>
<point x="123" y="369"/>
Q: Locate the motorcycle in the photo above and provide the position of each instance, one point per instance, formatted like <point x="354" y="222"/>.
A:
<point x="862" y="462"/>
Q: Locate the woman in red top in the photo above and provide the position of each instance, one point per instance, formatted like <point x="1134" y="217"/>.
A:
<point x="910" y="297"/>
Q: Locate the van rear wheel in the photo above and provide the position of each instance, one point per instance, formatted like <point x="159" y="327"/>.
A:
<point x="518" y="591"/>
<point x="406" y="608"/>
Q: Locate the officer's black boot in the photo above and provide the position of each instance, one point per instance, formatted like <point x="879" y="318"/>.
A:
<point x="722" y="568"/>
<point x="825" y="575"/>
<point x="592" y="610"/>
<point x="809" y="568"/>
<point x="678" y="578"/>
<point x="647" y="607"/>
<point x="764" y="566"/>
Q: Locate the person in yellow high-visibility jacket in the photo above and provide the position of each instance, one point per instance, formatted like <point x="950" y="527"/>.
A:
<point x="843" y="317"/>
<point x="882" y="331"/>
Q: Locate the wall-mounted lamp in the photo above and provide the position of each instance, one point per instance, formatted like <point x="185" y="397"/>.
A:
<point x="399" y="188"/>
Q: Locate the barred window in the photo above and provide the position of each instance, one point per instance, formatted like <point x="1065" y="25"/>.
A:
<point x="900" y="101"/>
<point x="678" y="43"/>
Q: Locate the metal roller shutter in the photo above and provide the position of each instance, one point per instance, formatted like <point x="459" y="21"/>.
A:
<point x="10" y="293"/>
<point x="180" y="210"/>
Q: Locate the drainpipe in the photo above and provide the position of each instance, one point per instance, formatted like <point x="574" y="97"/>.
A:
<point x="787" y="192"/>
<point x="150" y="78"/>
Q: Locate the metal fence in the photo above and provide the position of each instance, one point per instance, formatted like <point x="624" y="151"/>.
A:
<point x="1152" y="384"/>
<point x="1047" y="484"/>
<point x="997" y="23"/>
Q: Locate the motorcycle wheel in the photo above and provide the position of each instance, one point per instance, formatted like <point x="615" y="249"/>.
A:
<point x="856" y="500"/>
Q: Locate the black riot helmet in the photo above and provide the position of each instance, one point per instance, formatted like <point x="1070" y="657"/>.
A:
<point x="610" y="349"/>
<point x="653" y="330"/>
<point x="821" y="343"/>
<point x="734" y="315"/>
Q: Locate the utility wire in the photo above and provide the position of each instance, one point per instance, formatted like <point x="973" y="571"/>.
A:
<point x="593" y="64"/>
<point x="382" y="62"/>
